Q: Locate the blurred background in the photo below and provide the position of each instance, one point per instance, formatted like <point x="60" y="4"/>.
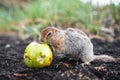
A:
<point x="25" y="18"/>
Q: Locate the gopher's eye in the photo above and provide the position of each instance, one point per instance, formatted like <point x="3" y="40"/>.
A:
<point x="49" y="34"/>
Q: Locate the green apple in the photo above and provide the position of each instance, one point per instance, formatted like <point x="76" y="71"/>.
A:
<point x="38" y="55"/>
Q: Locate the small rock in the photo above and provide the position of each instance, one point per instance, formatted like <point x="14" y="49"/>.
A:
<point x="7" y="46"/>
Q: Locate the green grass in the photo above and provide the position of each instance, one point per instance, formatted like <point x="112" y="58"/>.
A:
<point x="115" y="12"/>
<point x="58" y="11"/>
<point x="49" y="12"/>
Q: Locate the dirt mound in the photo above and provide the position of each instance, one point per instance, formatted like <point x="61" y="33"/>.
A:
<point x="12" y="66"/>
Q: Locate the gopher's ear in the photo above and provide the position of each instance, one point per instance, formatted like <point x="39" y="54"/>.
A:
<point x="57" y="31"/>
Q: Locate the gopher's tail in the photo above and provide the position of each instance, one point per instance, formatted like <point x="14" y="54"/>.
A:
<point x="104" y="58"/>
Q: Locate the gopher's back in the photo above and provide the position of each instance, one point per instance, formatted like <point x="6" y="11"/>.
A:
<point x="77" y="43"/>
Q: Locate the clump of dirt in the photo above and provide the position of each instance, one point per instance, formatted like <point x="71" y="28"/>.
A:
<point x="12" y="66"/>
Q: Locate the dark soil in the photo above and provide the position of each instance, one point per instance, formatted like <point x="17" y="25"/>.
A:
<point x="12" y="66"/>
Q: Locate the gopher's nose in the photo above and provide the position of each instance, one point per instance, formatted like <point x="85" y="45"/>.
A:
<point x="42" y="40"/>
